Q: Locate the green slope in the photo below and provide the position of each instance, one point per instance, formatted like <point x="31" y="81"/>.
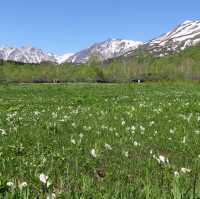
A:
<point x="183" y="65"/>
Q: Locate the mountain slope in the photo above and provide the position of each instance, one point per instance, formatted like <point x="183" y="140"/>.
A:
<point x="25" y="55"/>
<point x="183" y="36"/>
<point x="60" y="59"/>
<point x="105" y="50"/>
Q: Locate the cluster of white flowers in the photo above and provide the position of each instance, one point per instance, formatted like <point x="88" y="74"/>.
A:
<point x="187" y="117"/>
<point x="185" y="170"/>
<point x="161" y="159"/>
<point x="182" y="170"/>
<point x="10" y="184"/>
<point x="142" y="129"/>
<point x="87" y="128"/>
<point x="54" y="115"/>
<point x="21" y="185"/>
<point x="136" y="143"/>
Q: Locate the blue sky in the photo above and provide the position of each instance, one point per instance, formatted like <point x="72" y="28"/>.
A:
<point x="67" y="26"/>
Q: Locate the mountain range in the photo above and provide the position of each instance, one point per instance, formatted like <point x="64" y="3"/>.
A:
<point x="183" y="36"/>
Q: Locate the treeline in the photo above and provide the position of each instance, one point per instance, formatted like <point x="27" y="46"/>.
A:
<point x="184" y="65"/>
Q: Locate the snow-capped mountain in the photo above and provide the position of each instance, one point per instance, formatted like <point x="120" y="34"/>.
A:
<point x="105" y="50"/>
<point x="26" y="54"/>
<point x="60" y="59"/>
<point x="183" y="36"/>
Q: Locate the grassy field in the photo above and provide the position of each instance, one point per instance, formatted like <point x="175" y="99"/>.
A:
<point x="100" y="141"/>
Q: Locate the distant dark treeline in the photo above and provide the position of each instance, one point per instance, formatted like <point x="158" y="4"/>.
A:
<point x="144" y="67"/>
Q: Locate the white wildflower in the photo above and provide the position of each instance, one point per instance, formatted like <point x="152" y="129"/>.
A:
<point x="176" y="174"/>
<point x="3" y="132"/>
<point x="172" y="131"/>
<point x="49" y="183"/>
<point x="151" y="123"/>
<point x="43" y="178"/>
<point x="123" y="123"/>
<point x="73" y="141"/>
<point x="23" y="185"/>
<point x="73" y="124"/>
<point x="93" y="153"/>
<point x="10" y="184"/>
<point x="133" y="128"/>
<point x="36" y="113"/>
<point x="161" y="159"/>
<point x="54" y="115"/>
<point x="107" y="146"/>
<point x="126" y="154"/>
<point x="185" y="170"/>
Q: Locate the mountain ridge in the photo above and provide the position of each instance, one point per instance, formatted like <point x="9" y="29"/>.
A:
<point x="184" y="35"/>
<point x="107" y="49"/>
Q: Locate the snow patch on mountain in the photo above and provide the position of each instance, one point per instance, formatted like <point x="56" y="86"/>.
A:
<point x="183" y="36"/>
<point x="105" y="50"/>
<point x="60" y="59"/>
<point x="26" y="54"/>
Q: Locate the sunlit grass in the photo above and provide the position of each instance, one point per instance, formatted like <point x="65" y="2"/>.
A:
<point x="100" y="141"/>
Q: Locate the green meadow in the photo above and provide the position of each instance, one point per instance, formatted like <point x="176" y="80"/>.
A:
<point x="102" y="141"/>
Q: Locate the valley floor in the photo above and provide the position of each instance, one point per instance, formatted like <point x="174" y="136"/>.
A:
<point x="100" y="140"/>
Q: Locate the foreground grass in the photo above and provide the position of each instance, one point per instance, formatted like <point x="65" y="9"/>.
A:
<point x="100" y="141"/>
